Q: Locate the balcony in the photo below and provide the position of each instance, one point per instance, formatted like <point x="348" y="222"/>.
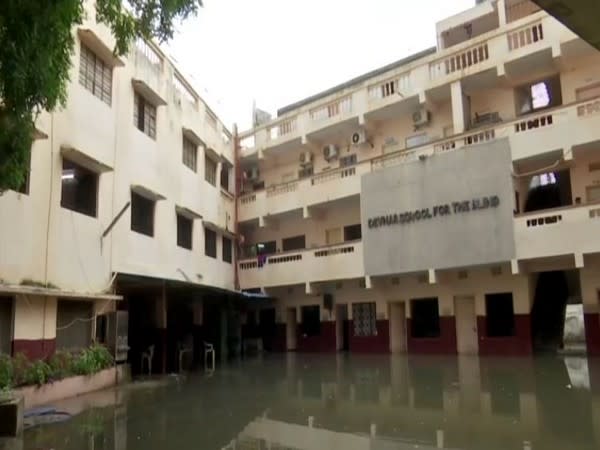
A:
<point x="320" y="188"/>
<point x="531" y="39"/>
<point x="556" y="129"/>
<point x="336" y="262"/>
<point x="558" y="232"/>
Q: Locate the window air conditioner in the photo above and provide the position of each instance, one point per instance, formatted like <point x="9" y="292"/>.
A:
<point x="330" y="152"/>
<point x="421" y="117"/>
<point x="359" y="137"/>
<point x="306" y="158"/>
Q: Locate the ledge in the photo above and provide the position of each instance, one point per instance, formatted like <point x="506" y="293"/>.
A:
<point x="93" y="41"/>
<point x="142" y="88"/>
<point x="83" y="159"/>
<point x="52" y="292"/>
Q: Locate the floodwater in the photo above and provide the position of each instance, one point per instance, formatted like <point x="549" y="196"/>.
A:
<point x="343" y="402"/>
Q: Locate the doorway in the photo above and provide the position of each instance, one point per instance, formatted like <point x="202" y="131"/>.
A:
<point x="548" y="312"/>
<point x="466" y="325"/>
<point x="268" y="327"/>
<point x="342" y="328"/>
<point x="290" y="329"/>
<point x="398" y="327"/>
<point x="6" y="324"/>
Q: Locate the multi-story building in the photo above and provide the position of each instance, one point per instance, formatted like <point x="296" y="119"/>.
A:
<point x="444" y="203"/>
<point x="129" y="206"/>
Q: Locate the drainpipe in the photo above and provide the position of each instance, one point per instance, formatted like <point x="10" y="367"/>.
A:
<point x="238" y="186"/>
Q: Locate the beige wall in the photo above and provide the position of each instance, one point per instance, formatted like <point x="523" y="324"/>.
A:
<point x="35" y="317"/>
<point x="41" y="241"/>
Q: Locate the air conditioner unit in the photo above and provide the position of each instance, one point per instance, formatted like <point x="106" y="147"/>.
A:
<point x="421" y="117"/>
<point x="251" y="174"/>
<point x="306" y="158"/>
<point x="330" y="152"/>
<point x="359" y="137"/>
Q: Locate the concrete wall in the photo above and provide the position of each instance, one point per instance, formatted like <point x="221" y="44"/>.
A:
<point x="449" y="238"/>
<point x="43" y="242"/>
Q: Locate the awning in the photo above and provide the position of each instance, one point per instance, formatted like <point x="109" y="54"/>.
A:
<point x="192" y="136"/>
<point x="39" y="134"/>
<point x="212" y="154"/>
<point x="187" y="212"/>
<point x="84" y="160"/>
<point x="95" y="44"/>
<point x="53" y="292"/>
<point x="216" y="228"/>
<point x="146" y="192"/>
<point x="142" y="88"/>
<point x="254" y="295"/>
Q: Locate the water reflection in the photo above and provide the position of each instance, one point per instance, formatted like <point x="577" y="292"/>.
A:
<point x="329" y="402"/>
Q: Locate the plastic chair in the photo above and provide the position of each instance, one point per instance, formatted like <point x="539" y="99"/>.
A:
<point x="183" y="348"/>
<point x="148" y="355"/>
<point x="209" y="352"/>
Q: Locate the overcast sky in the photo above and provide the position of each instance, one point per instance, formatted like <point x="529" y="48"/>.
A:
<point x="279" y="51"/>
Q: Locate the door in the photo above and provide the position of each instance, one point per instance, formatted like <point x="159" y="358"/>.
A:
<point x="466" y="325"/>
<point x="6" y="322"/>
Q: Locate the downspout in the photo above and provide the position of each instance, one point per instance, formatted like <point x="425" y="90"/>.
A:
<point x="238" y="186"/>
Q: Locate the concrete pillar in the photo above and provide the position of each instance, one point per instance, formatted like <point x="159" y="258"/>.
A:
<point x="501" y="12"/>
<point x="224" y="335"/>
<point x="590" y="283"/>
<point x="198" y="322"/>
<point x="161" y="328"/>
<point x="458" y="107"/>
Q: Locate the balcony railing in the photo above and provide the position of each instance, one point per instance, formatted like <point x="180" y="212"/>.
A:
<point x="282" y="128"/>
<point x="333" y="109"/>
<point x="330" y="262"/>
<point x="346" y="180"/>
<point x="525" y="36"/>
<point x="395" y="86"/>
<point x="459" y="61"/>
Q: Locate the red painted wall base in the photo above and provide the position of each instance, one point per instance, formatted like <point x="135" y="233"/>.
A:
<point x="379" y="343"/>
<point x="445" y="344"/>
<point x="325" y="342"/>
<point x="592" y="333"/>
<point x="34" y="348"/>
<point x="517" y="345"/>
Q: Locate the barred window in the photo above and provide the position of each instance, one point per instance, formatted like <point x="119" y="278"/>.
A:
<point x="210" y="170"/>
<point x="227" y="250"/>
<point x="144" y="115"/>
<point x="365" y="319"/>
<point x="190" y="154"/>
<point x="95" y="75"/>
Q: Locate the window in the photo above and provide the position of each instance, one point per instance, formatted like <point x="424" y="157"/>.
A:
<point x="306" y="172"/>
<point x="95" y="75"/>
<point x="210" y="170"/>
<point x="364" y="316"/>
<point x="539" y="95"/>
<point x="311" y="320"/>
<point x="185" y="226"/>
<point x="142" y="214"/>
<point x="500" y="316"/>
<point x="144" y="115"/>
<point x="425" y="317"/>
<point x="79" y="190"/>
<point x="266" y="248"/>
<point x="190" y="154"/>
<point x="227" y="250"/>
<point x="352" y="232"/>
<point x="346" y="161"/>
<point x="73" y="324"/>
<point x="210" y="243"/>
<point x="294" y="243"/>
<point x="225" y="170"/>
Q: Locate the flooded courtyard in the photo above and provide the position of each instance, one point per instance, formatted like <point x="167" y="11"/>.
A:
<point x="338" y="401"/>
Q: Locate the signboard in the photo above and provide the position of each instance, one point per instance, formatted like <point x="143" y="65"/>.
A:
<point x="453" y="209"/>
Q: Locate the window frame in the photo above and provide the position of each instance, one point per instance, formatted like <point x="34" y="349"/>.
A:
<point x="189" y="154"/>
<point x="371" y="329"/>
<point x="185" y="225"/>
<point x="88" y="76"/>
<point x="210" y="176"/>
<point x="135" y="199"/>
<point x="227" y="249"/>
<point x="209" y="251"/>
<point x="143" y="108"/>
<point x="75" y="197"/>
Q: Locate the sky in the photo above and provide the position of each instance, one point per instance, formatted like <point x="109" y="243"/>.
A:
<point x="276" y="52"/>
